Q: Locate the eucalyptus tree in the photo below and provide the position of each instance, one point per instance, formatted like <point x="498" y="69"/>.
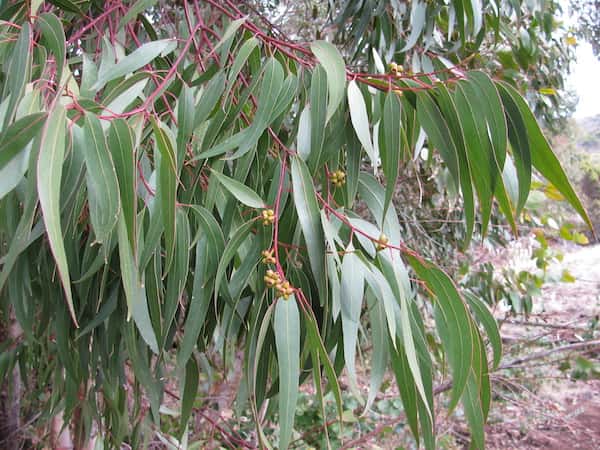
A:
<point x="182" y="179"/>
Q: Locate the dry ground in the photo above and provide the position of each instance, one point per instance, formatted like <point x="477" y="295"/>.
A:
<point x="542" y="407"/>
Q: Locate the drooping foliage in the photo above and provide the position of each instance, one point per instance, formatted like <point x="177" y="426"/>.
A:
<point x="178" y="179"/>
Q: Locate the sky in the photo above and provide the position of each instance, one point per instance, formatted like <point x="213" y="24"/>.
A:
<point x="585" y="78"/>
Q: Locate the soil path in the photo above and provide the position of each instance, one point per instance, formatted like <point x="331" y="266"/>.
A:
<point x="542" y="406"/>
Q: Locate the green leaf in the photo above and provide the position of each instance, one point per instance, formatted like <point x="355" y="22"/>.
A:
<point x="120" y="143"/>
<point x="107" y="308"/>
<point x="54" y="35"/>
<point x="521" y="149"/>
<point x="239" y="236"/>
<point x="166" y="189"/>
<point x="211" y="95"/>
<point x="18" y="72"/>
<point x="271" y="87"/>
<point x="178" y="273"/>
<point x="407" y="388"/>
<point x="231" y="29"/>
<point x="456" y="126"/>
<point x="318" y="114"/>
<point x="185" y="123"/>
<point x="397" y="278"/>
<point x="380" y="356"/>
<point x="240" y="191"/>
<point x="444" y="130"/>
<point x="303" y="144"/>
<point x="125" y="94"/>
<point x="240" y="59"/>
<point x="190" y="389"/>
<point x="417" y="22"/>
<point x="331" y="59"/>
<point x="137" y="8"/>
<point x="373" y="195"/>
<point x="490" y="104"/>
<point x="67" y="5"/>
<point x="15" y="138"/>
<point x="135" y="293"/>
<point x="352" y="288"/>
<point x="204" y="269"/>
<point x="453" y="323"/>
<point x="474" y="412"/>
<point x="360" y="120"/>
<point x="438" y="132"/>
<point x="384" y="293"/>
<point x="101" y="178"/>
<point x="391" y="146"/>
<point x="49" y="172"/>
<point x="314" y="337"/>
<point x="542" y="157"/>
<point x="479" y="153"/>
<point x="286" y="326"/>
<point x="486" y="319"/>
<point x="138" y="58"/>
<point x="309" y="218"/>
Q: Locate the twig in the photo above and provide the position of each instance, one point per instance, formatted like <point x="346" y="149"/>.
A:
<point x="540" y="355"/>
<point x="557" y="326"/>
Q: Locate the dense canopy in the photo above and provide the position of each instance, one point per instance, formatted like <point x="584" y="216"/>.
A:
<point x="180" y="180"/>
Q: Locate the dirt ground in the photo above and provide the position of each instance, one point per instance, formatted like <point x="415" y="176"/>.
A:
<point x="542" y="407"/>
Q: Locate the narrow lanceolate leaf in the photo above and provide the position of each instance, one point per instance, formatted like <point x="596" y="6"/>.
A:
<point x="391" y="145"/>
<point x="120" y="143"/>
<point x="15" y="138"/>
<point x="18" y="71"/>
<point x="101" y="178"/>
<point x="484" y="316"/>
<point x="519" y="141"/>
<point x="190" y="389"/>
<point x="229" y="32"/>
<point x="49" y="172"/>
<point x="457" y="130"/>
<point x="240" y="59"/>
<point x="166" y="189"/>
<point x="380" y="356"/>
<point x="438" y="133"/>
<point x="209" y="249"/>
<point x="286" y="326"/>
<point x="135" y="293"/>
<point x="396" y="275"/>
<point x="453" y="323"/>
<point x="132" y="62"/>
<point x="240" y="191"/>
<point x="444" y="131"/>
<point x="351" y="299"/>
<point x="479" y="152"/>
<point x="331" y="59"/>
<point x="185" y="123"/>
<point x="417" y="21"/>
<point x="309" y="218"/>
<point x="312" y="334"/>
<point x="542" y="157"/>
<point x="54" y="35"/>
<point x="318" y="114"/>
<point x="489" y="102"/>
<point x="230" y="250"/>
<point x="178" y="273"/>
<point x="303" y="144"/>
<point x="360" y="120"/>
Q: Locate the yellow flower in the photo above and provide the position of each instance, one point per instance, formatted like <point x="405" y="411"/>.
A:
<point x="268" y="216"/>
<point x="268" y="257"/>
<point x="382" y="242"/>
